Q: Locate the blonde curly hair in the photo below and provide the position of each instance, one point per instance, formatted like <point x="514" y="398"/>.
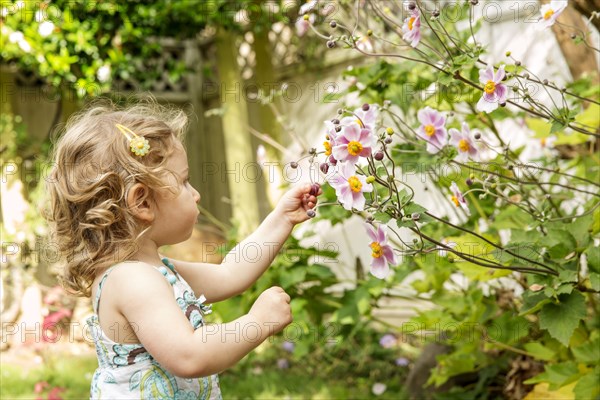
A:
<point x="93" y="169"/>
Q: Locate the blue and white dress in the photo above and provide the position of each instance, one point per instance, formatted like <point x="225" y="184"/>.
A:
<point x="128" y="371"/>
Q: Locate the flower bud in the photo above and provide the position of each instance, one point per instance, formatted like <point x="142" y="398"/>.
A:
<point x="472" y="176"/>
<point x="378" y="156"/>
<point x="412" y="5"/>
<point x="469" y="182"/>
<point x="324" y="168"/>
<point x="369" y="33"/>
<point x="312" y="150"/>
<point x="526" y="75"/>
<point x="389" y="130"/>
<point x="477" y="136"/>
<point x="369" y="218"/>
<point x="415" y="240"/>
<point x="340" y="111"/>
<point x="333" y="24"/>
<point x="338" y="128"/>
<point x="305" y="17"/>
<point x="545" y="81"/>
<point x="518" y="63"/>
<point x="436" y="13"/>
<point x="474" y="2"/>
<point x="332" y="161"/>
<point x="508" y="53"/>
<point x="388" y="140"/>
<point x="314" y="189"/>
<point x="370" y="179"/>
<point x="415" y="216"/>
<point x="493" y="186"/>
<point x="330" y="44"/>
<point x="335" y="121"/>
<point x="311" y="213"/>
<point x="503" y="104"/>
<point x="365" y="107"/>
<point x="573" y="36"/>
<point x="294" y="164"/>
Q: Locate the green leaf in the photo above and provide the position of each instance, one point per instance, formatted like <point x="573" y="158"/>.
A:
<point x="539" y="351"/>
<point x="595" y="281"/>
<point x="533" y="302"/>
<point x="557" y="375"/>
<point x="557" y="126"/>
<point x="445" y="79"/>
<point x="589" y="352"/>
<point x="588" y="386"/>
<point x="560" y="320"/>
<point x="560" y="243"/>
<point x="593" y="258"/>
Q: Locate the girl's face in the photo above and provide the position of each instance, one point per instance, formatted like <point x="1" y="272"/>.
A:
<point x="176" y="215"/>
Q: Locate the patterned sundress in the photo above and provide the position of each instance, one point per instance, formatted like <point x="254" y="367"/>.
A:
<point x="128" y="371"/>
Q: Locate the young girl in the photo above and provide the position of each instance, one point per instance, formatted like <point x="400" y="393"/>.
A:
<point x="119" y="190"/>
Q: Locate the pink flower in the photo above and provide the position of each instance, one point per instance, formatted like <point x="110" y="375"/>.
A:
<point x="302" y="25"/>
<point x="494" y="91"/>
<point x="381" y="251"/>
<point x="365" y="44"/>
<point x="412" y="28"/>
<point x="349" y="187"/>
<point x="366" y="119"/>
<point x="550" y="13"/>
<point x="458" y="199"/>
<point x="352" y="143"/>
<point x="463" y="142"/>
<point x="432" y="129"/>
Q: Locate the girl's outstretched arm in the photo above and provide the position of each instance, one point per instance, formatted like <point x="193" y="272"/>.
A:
<point x="247" y="261"/>
<point x="145" y="298"/>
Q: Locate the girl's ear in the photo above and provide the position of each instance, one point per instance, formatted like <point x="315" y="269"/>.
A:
<point x="139" y="202"/>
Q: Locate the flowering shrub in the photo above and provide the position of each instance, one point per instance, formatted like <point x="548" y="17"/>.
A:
<point x="513" y="253"/>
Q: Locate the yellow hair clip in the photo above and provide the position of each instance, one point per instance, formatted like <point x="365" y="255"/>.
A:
<point x="138" y="144"/>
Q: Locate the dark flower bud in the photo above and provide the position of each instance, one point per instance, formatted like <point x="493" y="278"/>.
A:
<point x="294" y="164"/>
<point x="415" y="216"/>
<point x="312" y="150"/>
<point x="474" y="2"/>
<point x="365" y="107"/>
<point x="335" y="121"/>
<point x="573" y="36"/>
<point x="340" y="111"/>
<point x="477" y="136"/>
<point x="378" y="156"/>
<point x="311" y="213"/>
<point x="330" y="44"/>
<point x="469" y="182"/>
<point x="314" y="188"/>
<point x="387" y="140"/>
<point x="332" y="161"/>
<point x="369" y="218"/>
<point x="338" y="128"/>
<point x="324" y="168"/>
<point x="436" y="13"/>
<point x="412" y="5"/>
<point x="518" y="63"/>
<point x="526" y="75"/>
<point x="545" y="81"/>
<point x="503" y="104"/>
<point x="333" y="24"/>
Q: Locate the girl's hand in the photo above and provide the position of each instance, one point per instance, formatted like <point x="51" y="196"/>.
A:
<point x="295" y="204"/>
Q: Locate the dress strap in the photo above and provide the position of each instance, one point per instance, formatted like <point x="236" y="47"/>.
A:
<point x="99" y="291"/>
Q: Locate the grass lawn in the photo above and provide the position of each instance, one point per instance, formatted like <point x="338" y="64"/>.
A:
<point x="74" y="374"/>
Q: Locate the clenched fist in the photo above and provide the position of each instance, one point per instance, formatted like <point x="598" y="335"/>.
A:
<point x="272" y="309"/>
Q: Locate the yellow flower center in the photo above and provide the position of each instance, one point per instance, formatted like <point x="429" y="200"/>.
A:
<point x="549" y="14"/>
<point x="327" y="146"/>
<point x="411" y="21"/>
<point x="355" y="184"/>
<point x="463" y="145"/>
<point x="455" y="200"/>
<point x="490" y="87"/>
<point x="354" y="148"/>
<point x="543" y="142"/>
<point x="377" y="251"/>
<point x="429" y="130"/>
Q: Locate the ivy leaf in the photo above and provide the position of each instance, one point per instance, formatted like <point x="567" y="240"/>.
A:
<point x="560" y="320"/>
<point x="557" y="375"/>
<point x="593" y="258"/>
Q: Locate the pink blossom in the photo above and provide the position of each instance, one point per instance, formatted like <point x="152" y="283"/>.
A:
<point x="550" y="13"/>
<point x="366" y="119"/>
<point x="302" y="25"/>
<point x="458" y="199"/>
<point x="349" y="187"/>
<point x="412" y="28"/>
<point x="365" y="44"/>
<point x="463" y="142"/>
<point x="382" y="252"/>
<point x="494" y="91"/>
<point x="432" y="129"/>
<point x="352" y="143"/>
